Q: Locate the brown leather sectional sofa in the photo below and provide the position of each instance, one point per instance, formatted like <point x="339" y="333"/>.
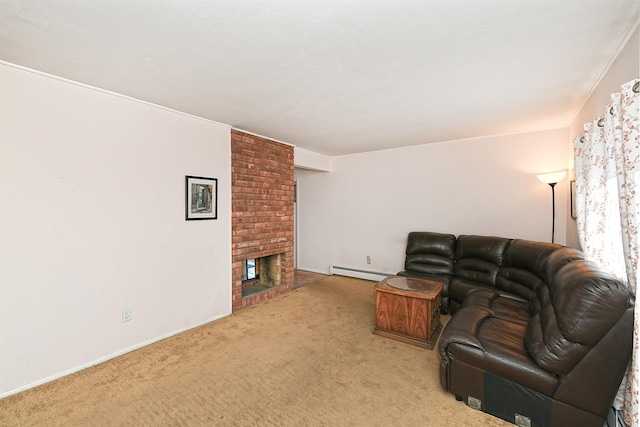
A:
<point x="538" y="336"/>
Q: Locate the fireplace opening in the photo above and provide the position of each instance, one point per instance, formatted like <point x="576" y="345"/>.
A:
<point x="261" y="274"/>
<point x="249" y="269"/>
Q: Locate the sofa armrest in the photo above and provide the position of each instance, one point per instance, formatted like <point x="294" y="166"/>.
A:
<point x="460" y="329"/>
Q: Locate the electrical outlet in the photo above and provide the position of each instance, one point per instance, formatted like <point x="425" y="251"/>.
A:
<point x="368" y="259"/>
<point x="126" y="315"/>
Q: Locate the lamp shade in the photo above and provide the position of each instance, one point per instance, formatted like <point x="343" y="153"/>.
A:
<point x="552" y="177"/>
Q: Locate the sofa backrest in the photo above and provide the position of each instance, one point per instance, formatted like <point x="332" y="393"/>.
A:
<point x="524" y="269"/>
<point x="560" y="258"/>
<point x="431" y="253"/>
<point x="578" y="307"/>
<point x="478" y="258"/>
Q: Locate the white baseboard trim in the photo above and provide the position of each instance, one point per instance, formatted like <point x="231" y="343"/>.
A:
<point x="312" y="270"/>
<point x="357" y="273"/>
<point x="104" y="359"/>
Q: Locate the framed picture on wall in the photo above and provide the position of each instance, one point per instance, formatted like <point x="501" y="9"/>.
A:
<point x="201" y="196"/>
<point x="572" y="183"/>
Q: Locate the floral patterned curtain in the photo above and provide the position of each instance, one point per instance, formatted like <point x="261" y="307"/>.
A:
<point x="607" y="204"/>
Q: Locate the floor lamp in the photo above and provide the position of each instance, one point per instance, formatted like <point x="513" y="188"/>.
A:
<point x="552" y="179"/>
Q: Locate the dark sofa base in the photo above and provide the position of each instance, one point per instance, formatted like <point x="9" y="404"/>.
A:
<point x="512" y="402"/>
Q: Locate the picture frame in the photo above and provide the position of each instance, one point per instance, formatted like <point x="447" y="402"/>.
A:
<point x="572" y="192"/>
<point x="201" y="198"/>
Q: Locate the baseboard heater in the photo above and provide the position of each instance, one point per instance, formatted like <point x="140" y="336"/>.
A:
<point x="358" y="274"/>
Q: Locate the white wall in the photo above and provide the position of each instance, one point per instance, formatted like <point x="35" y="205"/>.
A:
<point x="92" y="221"/>
<point x="623" y="69"/>
<point x="305" y="159"/>
<point x="370" y="201"/>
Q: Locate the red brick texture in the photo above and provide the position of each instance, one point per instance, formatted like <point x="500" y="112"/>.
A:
<point x="262" y="193"/>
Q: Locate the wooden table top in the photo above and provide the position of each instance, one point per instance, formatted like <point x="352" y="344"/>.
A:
<point x="410" y="286"/>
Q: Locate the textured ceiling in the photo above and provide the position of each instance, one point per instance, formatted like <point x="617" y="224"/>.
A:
<point x="334" y="77"/>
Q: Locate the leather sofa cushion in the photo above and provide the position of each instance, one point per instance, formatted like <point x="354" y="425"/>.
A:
<point x="579" y="306"/>
<point x="521" y="282"/>
<point x="478" y="258"/>
<point x="478" y="337"/>
<point x="459" y="288"/>
<point x="560" y="258"/>
<point x="524" y="269"/>
<point x="430" y="253"/>
<point x="529" y="255"/>
<point x="503" y="306"/>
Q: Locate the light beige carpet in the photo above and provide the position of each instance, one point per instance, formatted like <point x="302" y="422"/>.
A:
<point x="307" y="358"/>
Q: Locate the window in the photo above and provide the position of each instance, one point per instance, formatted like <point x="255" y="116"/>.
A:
<point x="249" y="269"/>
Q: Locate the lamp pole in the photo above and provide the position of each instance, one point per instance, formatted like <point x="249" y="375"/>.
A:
<point x="553" y="210"/>
<point x="552" y="179"/>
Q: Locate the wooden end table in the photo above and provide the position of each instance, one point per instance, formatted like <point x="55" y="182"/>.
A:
<point x="408" y="310"/>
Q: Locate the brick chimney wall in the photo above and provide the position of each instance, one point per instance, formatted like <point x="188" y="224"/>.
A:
<point x="262" y="195"/>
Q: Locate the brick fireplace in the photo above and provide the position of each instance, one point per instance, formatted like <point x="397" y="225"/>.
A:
<point x="262" y="192"/>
